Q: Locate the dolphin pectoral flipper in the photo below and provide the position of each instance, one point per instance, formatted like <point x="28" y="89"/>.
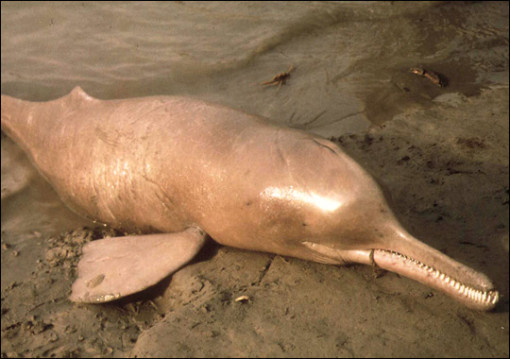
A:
<point x="116" y="267"/>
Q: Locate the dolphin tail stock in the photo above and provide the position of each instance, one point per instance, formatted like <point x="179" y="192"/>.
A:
<point x="19" y="121"/>
<point x="10" y="108"/>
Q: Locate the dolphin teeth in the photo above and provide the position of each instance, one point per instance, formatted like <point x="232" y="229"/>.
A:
<point x="476" y="295"/>
<point x="472" y="294"/>
<point x="469" y="292"/>
<point x="495" y="298"/>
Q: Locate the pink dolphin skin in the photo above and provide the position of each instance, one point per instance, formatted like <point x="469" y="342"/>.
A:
<point x="175" y="169"/>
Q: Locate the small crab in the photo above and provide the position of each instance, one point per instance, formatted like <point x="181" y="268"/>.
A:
<point x="279" y="79"/>
<point x="433" y="77"/>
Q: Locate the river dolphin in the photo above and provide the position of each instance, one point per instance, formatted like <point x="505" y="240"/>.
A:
<point x="175" y="169"/>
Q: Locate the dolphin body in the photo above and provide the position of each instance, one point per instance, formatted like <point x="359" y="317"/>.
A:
<point x="175" y="169"/>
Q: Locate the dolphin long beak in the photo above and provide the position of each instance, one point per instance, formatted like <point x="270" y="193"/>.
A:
<point x="481" y="296"/>
<point x="426" y="265"/>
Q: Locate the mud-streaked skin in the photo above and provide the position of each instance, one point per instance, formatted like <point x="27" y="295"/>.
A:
<point x="183" y="167"/>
